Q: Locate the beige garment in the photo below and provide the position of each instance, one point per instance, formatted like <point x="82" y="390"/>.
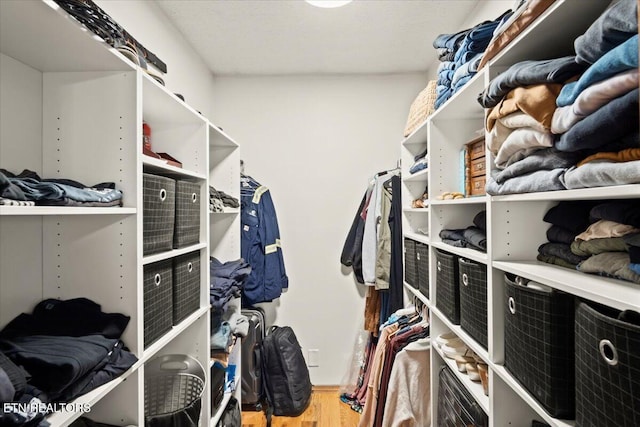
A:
<point x="507" y="124"/>
<point x="628" y="155"/>
<point x="383" y="254"/>
<point x="409" y="396"/>
<point x="604" y="229"/>
<point x="521" y="20"/>
<point x="523" y="139"/>
<point x="538" y="101"/>
<point x="369" y="412"/>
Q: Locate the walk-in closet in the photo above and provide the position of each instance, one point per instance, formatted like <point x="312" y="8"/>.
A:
<point x="338" y="213"/>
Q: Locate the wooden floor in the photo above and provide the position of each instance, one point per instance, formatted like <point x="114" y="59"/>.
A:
<point x="325" y="410"/>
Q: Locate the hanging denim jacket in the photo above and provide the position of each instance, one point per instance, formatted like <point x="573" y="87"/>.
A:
<point x="261" y="248"/>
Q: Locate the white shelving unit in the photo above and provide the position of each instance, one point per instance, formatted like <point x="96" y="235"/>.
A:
<point x="73" y="108"/>
<point x="224" y="237"/>
<point x="515" y="227"/>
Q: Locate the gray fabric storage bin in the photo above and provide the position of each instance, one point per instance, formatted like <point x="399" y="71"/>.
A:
<point x="157" y="300"/>
<point x="539" y="344"/>
<point x="410" y="266"/>
<point x="607" y="367"/>
<point x="158" y="199"/>
<point x="422" y="260"/>
<point x="447" y="288"/>
<point x="473" y="299"/>
<point x="187" y="225"/>
<point x="456" y="406"/>
<point x="186" y="285"/>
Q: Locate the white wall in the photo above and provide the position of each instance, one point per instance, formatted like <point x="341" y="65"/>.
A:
<point x="315" y="141"/>
<point x="187" y="74"/>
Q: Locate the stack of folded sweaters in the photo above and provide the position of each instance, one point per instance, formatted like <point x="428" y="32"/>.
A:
<point x="599" y="237"/>
<point x="218" y="200"/>
<point x="473" y="237"/>
<point x="569" y="122"/>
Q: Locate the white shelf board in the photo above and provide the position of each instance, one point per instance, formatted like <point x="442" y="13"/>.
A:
<point x="463" y="104"/>
<point x="418" y="136"/>
<point x="150" y="351"/>
<point x="417" y="293"/>
<point x="475" y="388"/>
<point x="614" y="192"/>
<point x="161" y="166"/>
<point x="417" y="237"/>
<point x="65" y="418"/>
<point x="471" y="254"/>
<point x="172" y="253"/>
<point x="418" y="176"/>
<point x="227" y="211"/>
<point x="62" y="210"/>
<point x="219" y="138"/>
<point x="416" y="210"/>
<point x="502" y="372"/>
<point x="53" y="40"/>
<point x="456" y="329"/>
<point x="611" y="292"/>
<point x="162" y="105"/>
<point x="475" y="200"/>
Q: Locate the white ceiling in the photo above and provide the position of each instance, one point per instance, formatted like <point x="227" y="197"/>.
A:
<point x="254" y="37"/>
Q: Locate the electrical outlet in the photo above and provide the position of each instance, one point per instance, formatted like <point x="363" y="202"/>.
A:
<point x="313" y="357"/>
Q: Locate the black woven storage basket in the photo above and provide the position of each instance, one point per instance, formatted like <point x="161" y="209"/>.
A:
<point x="173" y="388"/>
<point x="410" y="265"/>
<point x="158" y="199"/>
<point x="539" y="345"/>
<point x="186" y="285"/>
<point x="473" y="299"/>
<point x="157" y="300"/>
<point x="187" y="228"/>
<point x="607" y="368"/>
<point x="422" y="259"/>
<point x="447" y="289"/>
<point x="456" y="406"/>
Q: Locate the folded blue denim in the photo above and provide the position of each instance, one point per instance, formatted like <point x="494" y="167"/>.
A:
<point x="450" y="41"/>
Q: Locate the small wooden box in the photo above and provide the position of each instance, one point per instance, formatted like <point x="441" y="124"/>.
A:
<point x="476" y="148"/>
<point x="478" y="167"/>
<point x="477" y="185"/>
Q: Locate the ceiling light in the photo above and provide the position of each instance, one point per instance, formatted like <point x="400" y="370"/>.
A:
<point x="328" y="3"/>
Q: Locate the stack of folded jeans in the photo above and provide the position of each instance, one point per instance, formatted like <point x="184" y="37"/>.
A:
<point x="473" y="237"/>
<point x="227" y="282"/>
<point x="460" y="54"/>
<point x="29" y="187"/>
<point x="420" y="162"/>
